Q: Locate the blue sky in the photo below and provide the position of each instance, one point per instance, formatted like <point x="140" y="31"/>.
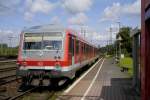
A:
<point x="96" y="16"/>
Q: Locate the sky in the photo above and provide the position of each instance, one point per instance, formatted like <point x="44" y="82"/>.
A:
<point x="95" y="16"/>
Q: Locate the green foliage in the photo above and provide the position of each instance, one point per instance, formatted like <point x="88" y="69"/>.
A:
<point x="6" y="51"/>
<point x="107" y="50"/>
<point x="126" y="42"/>
<point x="3" y="45"/>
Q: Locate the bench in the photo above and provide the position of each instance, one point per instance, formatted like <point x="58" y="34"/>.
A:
<point x="124" y="69"/>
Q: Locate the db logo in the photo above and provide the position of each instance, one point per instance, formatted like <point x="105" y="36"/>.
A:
<point x="40" y="63"/>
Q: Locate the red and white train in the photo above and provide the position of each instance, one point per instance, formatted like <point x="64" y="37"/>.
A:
<point x="51" y="53"/>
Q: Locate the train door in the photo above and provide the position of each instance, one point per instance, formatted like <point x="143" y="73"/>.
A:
<point x="71" y="50"/>
<point x="73" y="56"/>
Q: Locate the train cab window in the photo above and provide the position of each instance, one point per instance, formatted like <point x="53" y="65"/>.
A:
<point x="32" y="42"/>
<point x="42" y="42"/>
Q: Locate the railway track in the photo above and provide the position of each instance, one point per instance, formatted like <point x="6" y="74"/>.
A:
<point x="7" y="72"/>
<point x="7" y="61"/>
<point x="9" y="84"/>
<point x="8" y="79"/>
<point x="29" y="94"/>
<point x="32" y="94"/>
<point x="7" y="69"/>
<point x="22" y="94"/>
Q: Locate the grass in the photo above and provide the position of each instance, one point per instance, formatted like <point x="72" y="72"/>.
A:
<point x="127" y="62"/>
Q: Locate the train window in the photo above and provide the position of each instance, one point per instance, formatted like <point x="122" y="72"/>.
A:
<point x="38" y="41"/>
<point x="82" y="48"/>
<point x="32" y="42"/>
<point x="85" y="48"/>
<point x="77" y="46"/>
<point x="52" y="44"/>
<point x="71" y="46"/>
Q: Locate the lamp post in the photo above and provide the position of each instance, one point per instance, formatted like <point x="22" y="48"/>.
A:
<point x="119" y="39"/>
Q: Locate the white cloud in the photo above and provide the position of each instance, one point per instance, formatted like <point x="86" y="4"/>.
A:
<point x="134" y="8"/>
<point x="8" y="6"/>
<point x="99" y="37"/>
<point x="6" y="34"/>
<point x="38" y="6"/>
<point x="28" y="16"/>
<point x="117" y="10"/>
<point x="79" y="19"/>
<point x="112" y="13"/>
<point x="77" y="6"/>
<point x="55" y="20"/>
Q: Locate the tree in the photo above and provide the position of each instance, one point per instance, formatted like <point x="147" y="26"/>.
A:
<point x="126" y="43"/>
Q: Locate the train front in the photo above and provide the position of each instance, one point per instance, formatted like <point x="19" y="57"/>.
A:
<point x="41" y="57"/>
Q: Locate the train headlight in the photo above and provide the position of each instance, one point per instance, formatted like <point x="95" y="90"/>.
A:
<point x="55" y="57"/>
<point x="59" y="57"/>
<point x="57" y="65"/>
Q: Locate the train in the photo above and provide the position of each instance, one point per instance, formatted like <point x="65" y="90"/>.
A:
<point x="50" y="54"/>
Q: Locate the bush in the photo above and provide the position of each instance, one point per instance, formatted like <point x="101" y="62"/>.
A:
<point x="127" y="62"/>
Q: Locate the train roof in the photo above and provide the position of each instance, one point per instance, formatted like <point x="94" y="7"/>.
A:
<point x="54" y="28"/>
<point x="45" y="28"/>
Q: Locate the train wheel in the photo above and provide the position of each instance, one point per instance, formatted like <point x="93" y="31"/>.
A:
<point x="54" y="83"/>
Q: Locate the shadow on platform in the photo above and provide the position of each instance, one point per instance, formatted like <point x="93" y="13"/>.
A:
<point x="120" y="89"/>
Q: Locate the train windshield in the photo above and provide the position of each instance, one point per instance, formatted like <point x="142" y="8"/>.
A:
<point x="42" y="42"/>
<point x="32" y="42"/>
<point x="52" y="44"/>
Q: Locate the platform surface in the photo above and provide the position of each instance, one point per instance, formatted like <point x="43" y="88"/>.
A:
<point x="104" y="82"/>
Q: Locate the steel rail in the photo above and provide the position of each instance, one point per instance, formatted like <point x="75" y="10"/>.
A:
<point x="8" y="69"/>
<point x="10" y="80"/>
<point x="7" y="61"/>
<point x="22" y="94"/>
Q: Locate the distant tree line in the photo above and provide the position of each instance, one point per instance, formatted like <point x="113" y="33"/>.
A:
<point x="6" y="51"/>
<point x="126" y="43"/>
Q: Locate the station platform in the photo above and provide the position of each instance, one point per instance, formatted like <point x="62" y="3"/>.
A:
<point x="103" y="81"/>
